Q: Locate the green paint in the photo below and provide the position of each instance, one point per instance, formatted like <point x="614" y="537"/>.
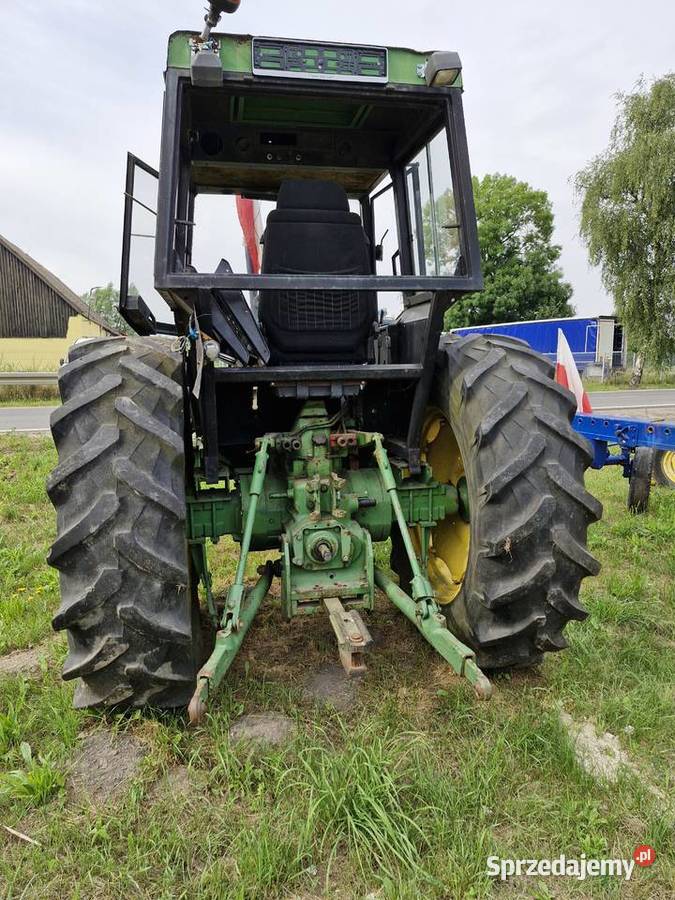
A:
<point x="228" y="641"/>
<point x="323" y="514"/>
<point x="326" y="553"/>
<point x="213" y="513"/>
<point x="236" y="56"/>
<point x="319" y="486"/>
<point x="403" y="66"/>
<point x="426" y="504"/>
<point x="236" y="592"/>
<point x="421" y="586"/>
<point x="235" y="52"/>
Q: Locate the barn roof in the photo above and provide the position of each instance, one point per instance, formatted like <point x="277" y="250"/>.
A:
<point x="33" y="287"/>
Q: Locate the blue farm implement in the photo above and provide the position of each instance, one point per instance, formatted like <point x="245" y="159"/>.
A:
<point x="646" y="451"/>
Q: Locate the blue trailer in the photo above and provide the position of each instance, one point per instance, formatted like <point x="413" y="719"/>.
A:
<point x="598" y="343"/>
<point x="646" y="451"/>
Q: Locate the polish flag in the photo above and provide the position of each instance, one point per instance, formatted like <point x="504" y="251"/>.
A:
<point x="250" y="219"/>
<point x="567" y="374"/>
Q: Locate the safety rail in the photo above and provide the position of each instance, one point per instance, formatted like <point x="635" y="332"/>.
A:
<point x="31" y="379"/>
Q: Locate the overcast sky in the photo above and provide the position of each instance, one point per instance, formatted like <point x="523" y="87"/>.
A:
<point x="84" y="84"/>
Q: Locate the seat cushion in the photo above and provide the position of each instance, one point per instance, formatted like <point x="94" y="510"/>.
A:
<point x="320" y="237"/>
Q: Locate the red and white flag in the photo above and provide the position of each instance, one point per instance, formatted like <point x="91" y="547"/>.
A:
<point x="567" y="374"/>
<point x="250" y="219"/>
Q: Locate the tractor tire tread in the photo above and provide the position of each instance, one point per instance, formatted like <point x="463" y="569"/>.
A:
<point x="530" y="510"/>
<point x="121" y="546"/>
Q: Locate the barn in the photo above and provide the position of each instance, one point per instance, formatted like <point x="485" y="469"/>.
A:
<point x="40" y="317"/>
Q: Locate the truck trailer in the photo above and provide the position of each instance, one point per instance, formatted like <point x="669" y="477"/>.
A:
<point x="598" y="343"/>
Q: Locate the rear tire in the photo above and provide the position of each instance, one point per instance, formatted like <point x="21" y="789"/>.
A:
<point x="640" y="481"/>
<point x="129" y="600"/>
<point x="529" y="510"/>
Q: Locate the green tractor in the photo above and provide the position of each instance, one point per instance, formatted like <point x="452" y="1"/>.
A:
<point x="309" y="418"/>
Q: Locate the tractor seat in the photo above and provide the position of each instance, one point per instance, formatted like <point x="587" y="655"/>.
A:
<point x="312" y="232"/>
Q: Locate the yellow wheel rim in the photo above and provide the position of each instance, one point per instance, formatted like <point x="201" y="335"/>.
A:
<point x="450" y="540"/>
<point x="668" y="465"/>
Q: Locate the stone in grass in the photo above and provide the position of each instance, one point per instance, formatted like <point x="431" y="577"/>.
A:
<point x="104" y="767"/>
<point x="263" y="728"/>
<point x="598" y="754"/>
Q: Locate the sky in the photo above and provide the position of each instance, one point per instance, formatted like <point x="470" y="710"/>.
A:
<point x="83" y="84"/>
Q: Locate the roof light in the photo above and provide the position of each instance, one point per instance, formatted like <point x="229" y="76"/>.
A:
<point x="443" y="69"/>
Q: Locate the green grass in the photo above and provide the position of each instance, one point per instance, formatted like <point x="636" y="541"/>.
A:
<point x="620" y="381"/>
<point x="22" y="400"/>
<point x="26" y="394"/>
<point x="405" y="795"/>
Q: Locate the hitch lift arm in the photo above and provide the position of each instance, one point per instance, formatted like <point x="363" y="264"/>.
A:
<point x="422" y="609"/>
<point x="240" y="608"/>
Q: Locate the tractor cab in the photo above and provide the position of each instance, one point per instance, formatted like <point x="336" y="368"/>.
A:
<point x="312" y="213"/>
<point x="351" y="160"/>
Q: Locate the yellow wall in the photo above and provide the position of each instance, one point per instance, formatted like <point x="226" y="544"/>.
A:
<point x="44" y="354"/>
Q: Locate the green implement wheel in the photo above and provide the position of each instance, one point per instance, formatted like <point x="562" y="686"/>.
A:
<point x="129" y="601"/>
<point x="507" y="567"/>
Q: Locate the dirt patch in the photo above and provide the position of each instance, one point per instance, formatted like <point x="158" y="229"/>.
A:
<point x="177" y="783"/>
<point x="285" y="651"/>
<point x="263" y="728"/>
<point x="331" y="684"/>
<point x="24" y="662"/>
<point x="104" y="767"/>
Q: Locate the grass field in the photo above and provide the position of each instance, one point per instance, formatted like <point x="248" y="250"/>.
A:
<point x="403" y="795"/>
<point x="30" y="401"/>
<point x="620" y="381"/>
<point x="598" y="386"/>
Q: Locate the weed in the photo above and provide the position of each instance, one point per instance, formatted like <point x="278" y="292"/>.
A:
<point x="36" y="783"/>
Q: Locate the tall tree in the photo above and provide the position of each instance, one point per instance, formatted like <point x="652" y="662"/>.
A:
<point x="104" y="301"/>
<point x="628" y="216"/>
<point x="520" y="261"/>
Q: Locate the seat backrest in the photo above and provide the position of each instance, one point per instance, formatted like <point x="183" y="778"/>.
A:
<point x="312" y="231"/>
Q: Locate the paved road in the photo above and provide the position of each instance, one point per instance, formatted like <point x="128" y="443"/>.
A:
<point x="658" y="404"/>
<point x="29" y="419"/>
<point x="637" y="403"/>
<point x="638" y="398"/>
